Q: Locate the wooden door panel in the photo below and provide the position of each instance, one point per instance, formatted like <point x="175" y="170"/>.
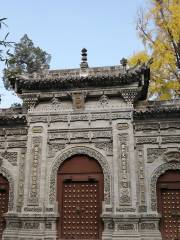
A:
<point x="4" y="196"/>
<point x="80" y="212"/>
<point x="168" y="192"/>
<point x="80" y="195"/>
<point x="170" y="224"/>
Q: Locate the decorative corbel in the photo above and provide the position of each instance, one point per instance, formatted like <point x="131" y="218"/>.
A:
<point x="30" y="100"/>
<point x="78" y="99"/>
<point x="129" y="95"/>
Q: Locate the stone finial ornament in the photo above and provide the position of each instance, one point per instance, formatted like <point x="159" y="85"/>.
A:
<point x="123" y="62"/>
<point x="84" y="63"/>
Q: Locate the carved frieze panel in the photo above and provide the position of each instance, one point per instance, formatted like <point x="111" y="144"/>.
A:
<point x="147" y="226"/>
<point x="171" y="139"/>
<point x="59" y="118"/>
<point x="31" y="225"/>
<point x="170" y="125"/>
<point x="18" y="144"/>
<point x="146" y="140"/>
<point x="125" y="226"/>
<point x="16" y="131"/>
<point x="35" y="170"/>
<point x="81" y="150"/>
<point x="11" y="157"/>
<point x="73" y="136"/>
<point x="154" y="153"/>
<point x="147" y="127"/>
<point x="124" y="180"/>
<point x="125" y="209"/>
<point x="35" y="119"/>
<point x="33" y="209"/>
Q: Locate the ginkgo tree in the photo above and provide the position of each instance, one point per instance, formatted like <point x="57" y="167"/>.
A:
<point x="159" y="29"/>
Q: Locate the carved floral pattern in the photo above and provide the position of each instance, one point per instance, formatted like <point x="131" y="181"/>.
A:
<point x="154" y="153"/>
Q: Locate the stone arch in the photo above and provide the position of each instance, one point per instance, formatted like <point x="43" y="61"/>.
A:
<point x="156" y="174"/>
<point x="7" y="175"/>
<point x="80" y="150"/>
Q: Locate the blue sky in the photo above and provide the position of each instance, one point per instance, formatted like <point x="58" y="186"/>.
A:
<point x="63" y="27"/>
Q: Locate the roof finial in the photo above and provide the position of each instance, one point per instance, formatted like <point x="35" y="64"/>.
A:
<point x="84" y="63"/>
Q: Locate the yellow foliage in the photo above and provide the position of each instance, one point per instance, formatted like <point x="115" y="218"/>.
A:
<point x="138" y="59"/>
<point x="159" y="29"/>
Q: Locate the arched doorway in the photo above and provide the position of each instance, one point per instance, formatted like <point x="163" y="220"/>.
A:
<point x="80" y="195"/>
<point x="4" y="197"/>
<point x="168" y="202"/>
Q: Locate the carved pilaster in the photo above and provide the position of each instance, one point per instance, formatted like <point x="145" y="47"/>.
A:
<point x="35" y="170"/>
<point x="141" y="179"/>
<point x="21" y="181"/>
<point x="124" y="181"/>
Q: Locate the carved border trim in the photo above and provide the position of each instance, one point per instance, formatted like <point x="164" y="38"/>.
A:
<point x="156" y="174"/>
<point x="80" y="150"/>
<point x="7" y="175"/>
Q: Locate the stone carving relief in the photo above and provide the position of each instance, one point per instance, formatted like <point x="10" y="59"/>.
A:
<point x="82" y="117"/>
<point x="129" y="95"/>
<point x="53" y="148"/>
<point x="77" y="136"/>
<point x="147" y="226"/>
<point x="171" y="156"/>
<point x="125" y="209"/>
<point x="171" y="139"/>
<point x="11" y="157"/>
<point x="7" y="175"/>
<point x="145" y="140"/>
<point x="103" y="101"/>
<point x="78" y="100"/>
<point x="19" y="144"/>
<point x="31" y="225"/>
<point x="122" y="126"/>
<point x="21" y="180"/>
<point x="124" y="182"/>
<point x="125" y="227"/>
<point x="156" y="174"/>
<point x="35" y="170"/>
<point x="80" y="150"/>
<point x="154" y="153"/>
<point x="141" y="179"/>
<point x="106" y="146"/>
<point x="147" y="127"/>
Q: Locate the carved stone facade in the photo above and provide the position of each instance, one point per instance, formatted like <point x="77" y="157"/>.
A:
<point x="134" y="143"/>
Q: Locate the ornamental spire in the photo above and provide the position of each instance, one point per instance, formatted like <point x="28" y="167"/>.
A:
<point x="84" y="63"/>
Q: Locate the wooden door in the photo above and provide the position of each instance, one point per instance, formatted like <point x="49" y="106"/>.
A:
<point x="80" y="196"/>
<point x="168" y="193"/>
<point x="4" y="197"/>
